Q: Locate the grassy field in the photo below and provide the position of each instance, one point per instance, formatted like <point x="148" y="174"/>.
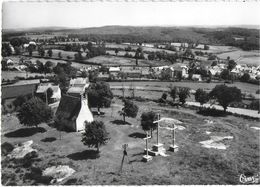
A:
<point x="12" y="74"/>
<point x="245" y="87"/>
<point x="245" y="57"/>
<point x="116" y="61"/>
<point x="122" y="53"/>
<point x="44" y="60"/>
<point x="134" y="47"/>
<point x="192" y="164"/>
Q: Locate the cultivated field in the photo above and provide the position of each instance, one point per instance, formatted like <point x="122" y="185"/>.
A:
<point x="117" y="61"/>
<point x="192" y="164"/>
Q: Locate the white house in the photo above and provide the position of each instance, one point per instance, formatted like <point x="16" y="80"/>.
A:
<point x="114" y="71"/>
<point x="72" y="112"/>
<point x="196" y="77"/>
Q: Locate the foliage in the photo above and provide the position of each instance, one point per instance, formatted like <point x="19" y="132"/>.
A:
<point x="6" y="50"/>
<point x="4" y="64"/>
<point x="201" y="96"/>
<point x="33" y="112"/>
<point x="255" y="105"/>
<point x="173" y="92"/>
<point x="225" y="95"/>
<point x="95" y="134"/>
<point x="48" y="67"/>
<point x="166" y="74"/>
<point x="129" y="109"/>
<point x="147" y="119"/>
<point x="225" y="74"/>
<point x="231" y="65"/>
<point x="184" y="93"/>
<point x="20" y="100"/>
<point x="245" y="77"/>
<point x="99" y="95"/>
<point x="163" y="98"/>
<point x="41" y="51"/>
<point x="49" y="93"/>
<point x="49" y="52"/>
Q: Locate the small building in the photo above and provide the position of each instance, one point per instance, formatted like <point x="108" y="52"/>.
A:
<point x="196" y="77"/>
<point x="114" y="71"/>
<point x="103" y="77"/>
<point x="78" y="86"/>
<point x="72" y="112"/>
<point x="42" y="91"/>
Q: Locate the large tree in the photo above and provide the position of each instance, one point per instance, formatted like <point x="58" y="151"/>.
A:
<point x="184" y="93"/>
<point x="95" y="134"/>
<point x="99" y="95"/>
<point x="129" y="109"/>
<point x="147" y="119"/>
<point x="225" y="95"/>
<point x="201" y="96"/>
<point x="34" y="112"/>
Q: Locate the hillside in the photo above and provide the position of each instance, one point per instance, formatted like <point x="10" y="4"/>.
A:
<point x="248" y="39"/>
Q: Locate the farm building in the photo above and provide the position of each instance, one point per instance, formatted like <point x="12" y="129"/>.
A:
<point x="72" y="112"/>
<point x="42" y="91"/>
<point x="11" y="92"/>
<point x="78" y="86"/>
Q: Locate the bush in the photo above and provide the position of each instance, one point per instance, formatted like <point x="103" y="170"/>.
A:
<point x="6" y="148"/>
<point x="254" y="105"/>
<point x="211" y="112"/>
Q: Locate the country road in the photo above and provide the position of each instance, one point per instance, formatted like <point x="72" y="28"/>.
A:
<point x="240" y="111"/>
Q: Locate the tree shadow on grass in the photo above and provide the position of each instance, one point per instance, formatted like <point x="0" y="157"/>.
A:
<point x="137" y="135"/>
<point x="49" y="139"/>
<point x="120" y="122"/>
<point x="84" y="155"/>
<point x="25" y="132"/>
<point x="58" y="127"/>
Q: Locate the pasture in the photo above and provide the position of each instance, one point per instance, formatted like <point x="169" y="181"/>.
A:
<point x="117" y="61"/>
<point x="134" y="47"/>
<point x="244" y="57"/>
<point x="159" y="85"/>
<point x="192" y="164"/>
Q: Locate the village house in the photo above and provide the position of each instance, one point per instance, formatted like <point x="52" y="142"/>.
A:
<point x="114" y="71"/>
<point x="42" y="92"/>
<point x="196" y="77"/>
<point x="11" y="92"/>
<point x="78" y="86"/>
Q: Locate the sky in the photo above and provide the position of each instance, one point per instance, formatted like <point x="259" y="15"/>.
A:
<point x="16" y="15"/>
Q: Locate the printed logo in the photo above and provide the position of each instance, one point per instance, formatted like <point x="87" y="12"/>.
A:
<point x="249" y="178"/>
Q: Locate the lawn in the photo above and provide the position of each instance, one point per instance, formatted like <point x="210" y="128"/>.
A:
<point x="192" y="164"/>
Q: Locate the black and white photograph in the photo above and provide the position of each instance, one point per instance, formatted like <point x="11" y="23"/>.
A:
<point x="130" y="93"/>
